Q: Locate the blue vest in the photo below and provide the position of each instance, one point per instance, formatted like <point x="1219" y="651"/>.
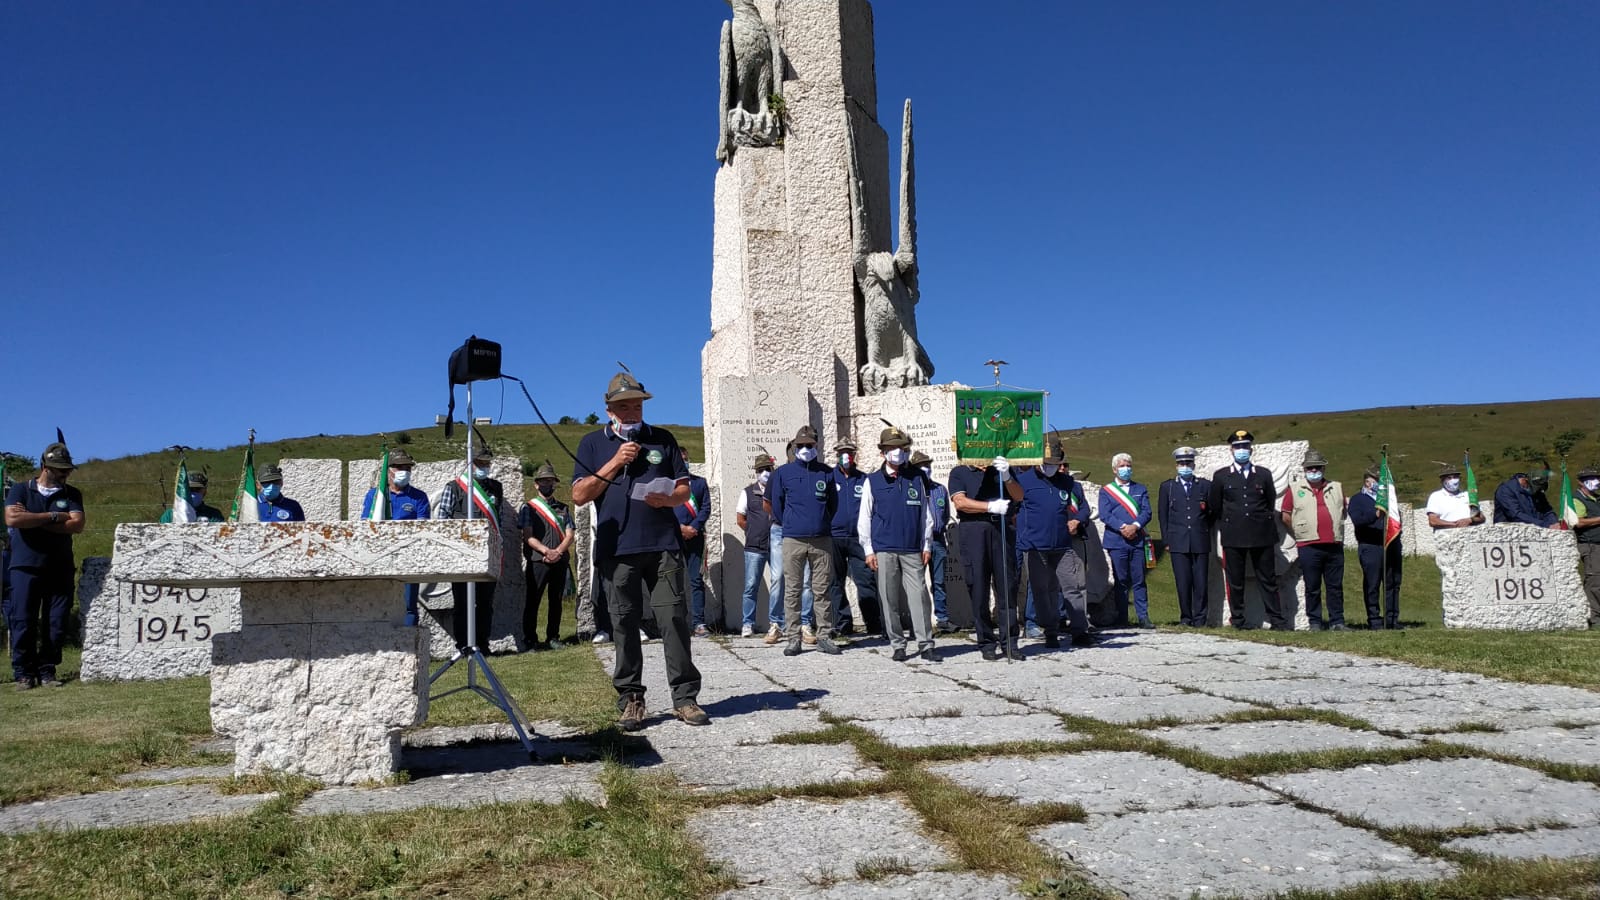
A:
<point x="849" y="488"/>
<point x="898" y="507"/>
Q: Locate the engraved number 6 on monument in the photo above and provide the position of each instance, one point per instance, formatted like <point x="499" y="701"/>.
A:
<point x="927" y="405"/>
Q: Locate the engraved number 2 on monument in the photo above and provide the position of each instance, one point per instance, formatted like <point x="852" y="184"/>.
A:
<point x="761" y="397"/>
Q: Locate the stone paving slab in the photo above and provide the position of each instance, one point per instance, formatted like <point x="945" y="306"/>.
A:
<point x="1033" y="684"/>
<point x="1129" y="710"/>
<point x="1238" y="739"/>
<point x="1305" y="692"/>
<point x="1401" y="676"/>
<point x="528" y="783"/>
<point x="1578" y="746"/>
<point x="1440" y="794"/>
<point x="177" y="773"/>
<point x="1419" y="715"/>
<point x="1101" y="782"/>
<point x="798" y="842"/>
<point x="1253" y="850"/>
<point x="922" y="885"/>
<point x="931" y="703"/>
<point x="163" y="805"/>
<point x="749" y="727"/>
<point x="1201" y="673"/>
<point x="1554" y="843"/>
<point x="974" y="731"/>
<point x="768" y="766"/>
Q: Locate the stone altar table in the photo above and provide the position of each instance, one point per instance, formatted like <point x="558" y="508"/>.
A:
<point x="323" y="673"/>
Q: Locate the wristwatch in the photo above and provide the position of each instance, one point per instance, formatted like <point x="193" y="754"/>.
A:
<point x="53" y="518"/>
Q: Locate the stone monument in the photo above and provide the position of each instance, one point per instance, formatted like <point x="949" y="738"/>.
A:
<point x="322" y="674"/>
<point x="806" y="281"/>
<point x="1511" y="576"/>
<point x="1282" y="459"/>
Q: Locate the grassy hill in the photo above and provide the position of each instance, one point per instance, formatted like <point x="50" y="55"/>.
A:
<point x="1504" y="437"/>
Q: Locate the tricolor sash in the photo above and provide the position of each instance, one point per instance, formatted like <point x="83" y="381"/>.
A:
<point x="1122" y="498"/>
<point x="545" y="512"/>
<point x="480" y="499"/>
<point x="694" y="508"/>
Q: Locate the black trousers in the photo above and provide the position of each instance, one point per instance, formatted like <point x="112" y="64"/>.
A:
<point x="1374" y="566"/>
<point x="1266" y="567"/>
<point x="986" y="568"/>
<point x="1323" y="564"/>
<point x="458" y="615"/>
<point x="36" y="614"/>
<point x="1190" y="571"/>
<point x="632" y="580"/>
<point x="848" y="556"/>
<point x="543" y="578"/>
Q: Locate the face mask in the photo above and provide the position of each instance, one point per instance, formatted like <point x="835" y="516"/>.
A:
<point x="1313" y="477"/>
<point x="1371" y="488"/>
<point x="480" y="472"/>
<point x="1452" y="484"/>
<point x="1241" y="455"/>
<point x="1049" y="469"/>
<point x="271" y="491"/>
<point x="400" y="477"/>
<point x="546" y="488"/>
<point x="1186" y="471"/>
<point x="1591" y="484"/>
<point x="762" y="477"/>
<point x="626" y="431"/>
<point x="196" y="497"/>
<point x="897" y="456"/>
<point x="806" y="454"/>
<point x="1124" y="472"/>
<point x="847" y="460"/>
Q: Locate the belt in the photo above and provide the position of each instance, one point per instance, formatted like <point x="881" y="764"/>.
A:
<point x="990" y="519"/>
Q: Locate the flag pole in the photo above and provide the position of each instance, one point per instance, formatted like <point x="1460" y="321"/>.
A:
<point x="1383" y="546"/>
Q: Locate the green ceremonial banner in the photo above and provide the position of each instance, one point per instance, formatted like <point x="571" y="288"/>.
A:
<point x="1000" y="423"/>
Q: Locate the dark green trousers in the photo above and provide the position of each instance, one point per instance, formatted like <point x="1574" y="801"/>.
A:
<point x="637" y="581"/>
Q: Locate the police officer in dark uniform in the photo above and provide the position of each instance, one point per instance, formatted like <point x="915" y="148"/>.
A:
<point x="848" y="556"/>
<point x="271" y="504"/>
<point x="637" y="545"/>
<point x="1242" y="498"/>
<point x="547" y="533"/>
<point x="42" y="514"/>
<point x="197" y="499"/>
<point x="453" y="503"/>
<point x="1185" y="518"/>
<point x="982" y="497"/>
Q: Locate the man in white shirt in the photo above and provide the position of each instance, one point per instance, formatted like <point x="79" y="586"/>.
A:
<point x="1448" y="506"/>
<point x="895" y="527"/>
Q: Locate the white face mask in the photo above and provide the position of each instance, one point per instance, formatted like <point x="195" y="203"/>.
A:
<point x="806" y="454"/>
<point x="762" y="477"/>
<point x="1452" y="484"/>
<point x="626" y="431"/>
<point x="480" y="472"/>
<point x="400" y="477"/>
<point x="897" y="456"/>
<point x="1049" y="469"/>
<point x="1591" y="484"/>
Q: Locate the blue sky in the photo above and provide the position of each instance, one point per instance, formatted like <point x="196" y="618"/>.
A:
<point x="284" y="215"/>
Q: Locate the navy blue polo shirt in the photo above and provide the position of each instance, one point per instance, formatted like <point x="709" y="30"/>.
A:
<point x="406" y="503"/>
<point x="803" y="499"/>
<point x="848" y="486"/>
<point x="624" y="525"/>
<point x="1042" y="520"/>
<point x="39" y="547"/>
<point x="280" y="510"/>
<point x="977" y="484"/>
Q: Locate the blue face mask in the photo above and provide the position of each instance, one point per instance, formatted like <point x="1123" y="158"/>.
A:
<point x="1313" y="477"/>
<point x="1241" y="455"/>
<point x="271" y="491"/>
<point x="480" y="472"/>
<point x="196" y="498"/>
<point x="1186" y="471"/>
<point x="1124" y="472"/>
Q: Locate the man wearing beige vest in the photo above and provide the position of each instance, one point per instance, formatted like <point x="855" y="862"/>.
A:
<point x="1314" y="511"/>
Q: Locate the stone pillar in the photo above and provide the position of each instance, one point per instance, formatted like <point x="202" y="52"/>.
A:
<point x="1511" y="576"/>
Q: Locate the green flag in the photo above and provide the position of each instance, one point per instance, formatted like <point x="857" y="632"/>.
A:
<point x="1472" y="480"/>
<point x="244" y="499"/>
<point x="182" y="511"/>
<point x="1004" y="423"/>
<point x="1568" y="513"/>
<point x="379" y="510"/>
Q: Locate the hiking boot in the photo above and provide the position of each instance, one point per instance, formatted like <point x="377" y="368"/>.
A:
<point x="1146" y="623"/>
<point x="1015" y="655"/>
<point x="826" y="645"/>
<point x="702" y="631"/>
<point x="632" y="718"/>
<point x="993" y="652"/>
<point x="49" y="681"/>
<point x="929" y="654"/>
<point x="1052" y="641"/>
<point x="945" y="626"/>
<point x="600" y="637"/>
<point x="899" y="655"/>
<point x="793" y="648"/>
<point x="691" y="714"/>
<point x="774" y="634"/>
<point x="747" y="631"/>
<point x="1084" y="640"/>
<point x="808" y="634"/>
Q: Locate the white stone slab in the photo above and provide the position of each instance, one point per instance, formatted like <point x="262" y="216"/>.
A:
<point x="530" y="783"/>
<point x="1578" y="746"/>
<point x="943" y="885"/>
<point x="1100" y="782"/>
<point x="1511" y="576"/>
<point x="951" y="703"/>
<point x="1255" y="850"/>
<point x="1248" y="738"/>
<point x="317" y="485"/>
<point x="738" y="767"/>
<point x="1439" y="794"/>
<point x="1540" y="843"/>
<point x="1127" y="711"/>
<point x="975" y="731"/>
<point x="136" y="632"/>
<point x="141" y="806"/>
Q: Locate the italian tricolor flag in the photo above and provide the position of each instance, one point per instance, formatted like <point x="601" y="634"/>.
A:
<point x="1568" y="514"/>
<point x="379" y="511"/>
<point x="244" y="499"/>
<point x="1388" y="501"/>
<point x="181" y="510"/>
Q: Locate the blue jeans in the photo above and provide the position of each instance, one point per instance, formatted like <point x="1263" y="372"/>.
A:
<point x="1127" y="568"/>
<point x="775" y="583"/>
<point x="754" y="563"/>
<point x="936" y="573"/>
<point x="694" y="553"/>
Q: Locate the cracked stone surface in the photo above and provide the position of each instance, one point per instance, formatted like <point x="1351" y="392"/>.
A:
<point x="177" y="773"/>
<point x="932" y="703"/>
<point x="1239" y="850"/>
<point x="1100" y="782"/>
<point x="1444" y="794"/>
<point x="944" y="885"/>
<point x="1127" y="711"/>
<point x="969" y="732"/>
<point x="795" y="842"/>
<point x="1554" y="843"/>
<point x="770" y="766"/>
<point x="537" y="783"/>
<point x="1580" y="746"/>
<point x="1248" y="738"/>
<point x="164" y="805"/>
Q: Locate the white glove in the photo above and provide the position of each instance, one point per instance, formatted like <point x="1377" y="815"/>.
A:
<point x="999" y="507"/>
<point x="1002" y="466"/>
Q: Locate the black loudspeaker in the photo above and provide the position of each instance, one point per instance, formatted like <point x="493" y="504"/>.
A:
<point x="476" y="360"/>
